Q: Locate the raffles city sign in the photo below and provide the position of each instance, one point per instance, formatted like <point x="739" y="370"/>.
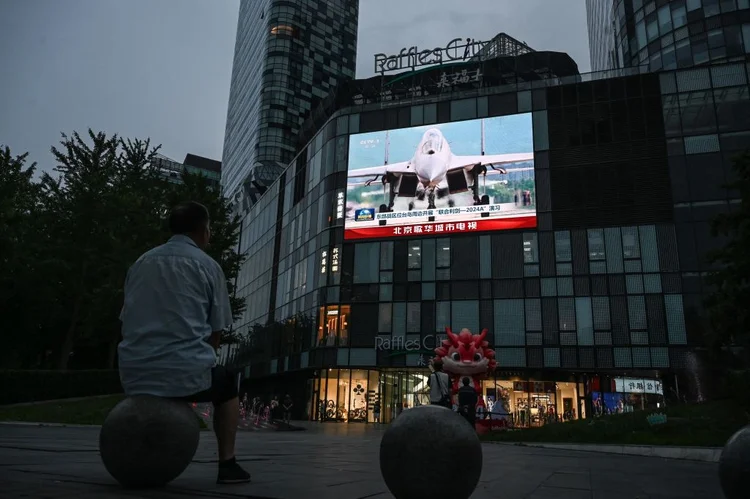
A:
<point x="401" y="344"/>
<point x="456" y="50"/>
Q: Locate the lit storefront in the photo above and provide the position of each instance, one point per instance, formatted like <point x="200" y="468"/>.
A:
<point x="380" y="395"/>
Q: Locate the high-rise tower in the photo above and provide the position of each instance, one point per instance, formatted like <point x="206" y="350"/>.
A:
<point x="288" y="55"/>
<point x="667" y="34"/>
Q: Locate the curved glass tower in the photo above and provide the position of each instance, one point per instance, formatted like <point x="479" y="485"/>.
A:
<point x="289" y="54"/>
<point x="667" y="34"/>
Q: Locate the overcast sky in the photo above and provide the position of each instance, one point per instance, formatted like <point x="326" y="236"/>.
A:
<point x="161" y="68"/>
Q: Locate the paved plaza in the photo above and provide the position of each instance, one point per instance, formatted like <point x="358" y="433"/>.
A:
<point x="333" y="461"/>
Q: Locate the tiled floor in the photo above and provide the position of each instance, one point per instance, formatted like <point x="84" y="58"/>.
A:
<point x="337" y="462"/>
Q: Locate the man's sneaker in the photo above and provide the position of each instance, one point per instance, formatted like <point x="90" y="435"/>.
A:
<point x="232" y="473"/>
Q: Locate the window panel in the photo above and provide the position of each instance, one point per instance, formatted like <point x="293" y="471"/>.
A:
<point x="659" y="357"/>
<point x="549" y="286"/>
<point x="630" y="243"/>
<point x="511" y="357"/>
<point x="623" y="357"/>
<point x="613" y="242"/>
<point x="567" y="315"/>
<point x="465" y="314"/>
<point x="485" y="257"/>
<point x="428" y="260"/>
<point x="634" y="284"/>
<point x="562" y="246"/>
<point x="652" y="283"/>
<point x="551" y="357"/>
<point x="509" y="322"/>
<point x="565" y="286"/>
<point x="530" y="248"/>
<point x="533" y="310"/>
<point x="428" y="290"/>
<point x="675" y="313"/>
<point x="637" y="312"/>
<point x="442" y="315"/>
<point x="443" y="250"/>
<point x="585" y="321"/>
<point x="534" y="339"/>
<point x="414" y="257"/>
<point x="385" y="311"/>
<point x="413" y="317"/>
<point x="399" y="320"/>
<point x="366" y="266"/>
<point x="596" y="244"/>
<point x="641" y="357"/>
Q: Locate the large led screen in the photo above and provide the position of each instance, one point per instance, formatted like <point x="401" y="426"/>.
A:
<point x="467" y="176"/>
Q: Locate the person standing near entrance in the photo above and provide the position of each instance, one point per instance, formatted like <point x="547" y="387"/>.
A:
<point x="440" y="385"/>
<point x="467" y="402"/>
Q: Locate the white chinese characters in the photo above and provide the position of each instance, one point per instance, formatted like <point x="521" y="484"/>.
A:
<point x="340" y="206"/>
<point x="459" y="78"/>
<point x="433" y="228"/>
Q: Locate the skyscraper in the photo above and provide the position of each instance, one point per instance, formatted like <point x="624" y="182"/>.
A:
<point x="667" y="34"/>
<point x="289" y="54"/>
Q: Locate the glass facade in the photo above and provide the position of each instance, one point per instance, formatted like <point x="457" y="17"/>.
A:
<point x="667" y="34"/>
<point x="629" y="171"/>
<point x="289" y="55"/>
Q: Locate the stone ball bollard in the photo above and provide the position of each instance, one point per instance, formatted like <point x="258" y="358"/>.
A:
<point x="734" y="465"/>
<point x="148" y="441"/>
<point x="430" y="452"/>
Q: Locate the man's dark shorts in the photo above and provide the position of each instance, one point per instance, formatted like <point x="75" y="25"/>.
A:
<point x="224" y="387"/>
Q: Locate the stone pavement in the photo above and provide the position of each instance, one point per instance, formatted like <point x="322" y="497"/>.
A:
<point x="331" y="461"/>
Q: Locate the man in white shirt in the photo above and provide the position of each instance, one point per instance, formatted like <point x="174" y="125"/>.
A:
<point x="440" y="385"/>
<point x="176" y="307"/>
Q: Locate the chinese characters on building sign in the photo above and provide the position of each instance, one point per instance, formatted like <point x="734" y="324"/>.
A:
<point x="636" y="385"/>
<point x="434" y="228"/>
<point x="465" y="76"/>
<point x="323" y="261"/>
<point x="458" y="49"/>
<point x="340" y="206"/>
<point x="335" y="260"/>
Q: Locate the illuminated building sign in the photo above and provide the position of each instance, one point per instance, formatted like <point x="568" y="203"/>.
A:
<point x="340" y="206"/>
<point x="335" y="260"/>
<point x="638" y="385"/>
<point x="323" y="261"/>
<point x="456" y="50"/>
<point x="400" y="343"/>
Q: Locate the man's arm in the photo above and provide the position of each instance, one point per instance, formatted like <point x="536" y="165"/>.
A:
<point x="220" y="317"/>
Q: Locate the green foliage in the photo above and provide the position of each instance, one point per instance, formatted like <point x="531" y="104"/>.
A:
<point x="31" y="386"/>
<point x="87" y="411"/>
<point x="728" y="311"/>
<point x="67" y="241"/>
<point x="707" y="424"/>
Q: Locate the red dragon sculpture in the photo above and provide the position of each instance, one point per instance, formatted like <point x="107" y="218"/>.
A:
<point x="466" y="354"/>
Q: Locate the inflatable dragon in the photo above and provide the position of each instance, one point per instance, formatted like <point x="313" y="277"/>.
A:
<point x="466" y="354"/>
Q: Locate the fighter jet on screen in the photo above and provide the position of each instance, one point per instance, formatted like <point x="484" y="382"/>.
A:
<point x="434" y="171"/>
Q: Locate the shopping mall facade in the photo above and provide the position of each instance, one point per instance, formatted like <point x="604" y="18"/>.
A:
<point x="584" y="264"/>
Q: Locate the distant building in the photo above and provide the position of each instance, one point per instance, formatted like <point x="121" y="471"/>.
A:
<point x="288" y="56"/>
<point x="667" y="34"/>
<point x="173" y="170"/>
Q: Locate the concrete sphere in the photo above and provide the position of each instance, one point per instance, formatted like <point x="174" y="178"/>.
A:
<point x="734" y="465"/>
<point x="430" y="452"/>
<point x="148" y="441"/>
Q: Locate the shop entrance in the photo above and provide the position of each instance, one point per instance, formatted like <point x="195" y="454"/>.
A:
<point x="403" y="390"/>
<point x="371" y="396"/>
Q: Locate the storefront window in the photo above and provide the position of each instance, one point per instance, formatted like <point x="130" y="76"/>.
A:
<point x="332" y="323"/>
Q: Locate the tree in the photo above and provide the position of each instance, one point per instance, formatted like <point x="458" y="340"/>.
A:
<point x="20" y="243"/>
<point x="106" y="207"/>
<point x="225" y="234"/>
<point x="727" y="305"/>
